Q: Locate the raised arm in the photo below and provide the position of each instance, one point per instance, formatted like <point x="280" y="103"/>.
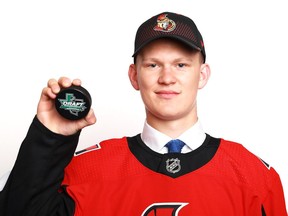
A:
<point x="34" y="184"/>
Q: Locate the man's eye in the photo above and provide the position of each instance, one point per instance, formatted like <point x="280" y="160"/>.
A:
<point x="153" y="65"/>
<point x="181" y="65"/>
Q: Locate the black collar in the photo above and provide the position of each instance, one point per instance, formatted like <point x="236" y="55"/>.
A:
<point x="173" y="164"/>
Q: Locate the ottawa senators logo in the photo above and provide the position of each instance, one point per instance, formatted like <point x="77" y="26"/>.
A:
<point x="164" y="24"/>
<point x="164" y="209"/>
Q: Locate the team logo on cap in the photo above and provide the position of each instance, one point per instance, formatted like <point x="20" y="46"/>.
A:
<point x="164" y="24"/>
<point x="173" y="165"/>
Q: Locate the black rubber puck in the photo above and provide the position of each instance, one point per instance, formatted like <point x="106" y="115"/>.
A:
<point x="73" y="103"/>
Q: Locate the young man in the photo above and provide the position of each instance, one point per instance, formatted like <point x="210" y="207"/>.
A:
<point x="143" y="175"/>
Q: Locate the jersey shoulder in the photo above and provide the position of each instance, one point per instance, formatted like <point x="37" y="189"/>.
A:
<point x="242" y="156"/>
<point x="109" y="143"/>
<point x="109" y="160"/>
<point x="247" y="168"/>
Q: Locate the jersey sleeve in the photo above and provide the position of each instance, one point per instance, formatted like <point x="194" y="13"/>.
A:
<point x="274" y="202"/>
<point x="34" y="184"/>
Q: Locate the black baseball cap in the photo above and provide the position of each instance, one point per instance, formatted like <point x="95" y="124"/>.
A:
<point x="169" y="25"/>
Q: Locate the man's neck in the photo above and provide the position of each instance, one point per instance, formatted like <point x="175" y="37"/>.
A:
<point x="172" y="128"/>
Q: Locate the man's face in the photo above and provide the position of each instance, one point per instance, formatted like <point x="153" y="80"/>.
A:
<point x="168" y="76"/>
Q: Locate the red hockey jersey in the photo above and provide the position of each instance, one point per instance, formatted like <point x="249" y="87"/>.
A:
<point x="220" y="178"/>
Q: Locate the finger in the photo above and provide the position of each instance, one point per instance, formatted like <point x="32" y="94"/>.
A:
<point x="53" y="85"/>
<point x="77" y="82"/>
<point x="91" y="118"/>
<point x="64" y="82"/>
<point x="88" y="120"/>
<point x="48" y="94"/>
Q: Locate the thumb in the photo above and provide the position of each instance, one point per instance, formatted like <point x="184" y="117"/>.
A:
<point x="90" y="119"/>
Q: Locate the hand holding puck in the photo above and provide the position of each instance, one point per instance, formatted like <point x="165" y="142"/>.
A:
<point x="73" y="103"/>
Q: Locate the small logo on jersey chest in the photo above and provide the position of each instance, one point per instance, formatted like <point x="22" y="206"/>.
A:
<point x="173" y="165"/>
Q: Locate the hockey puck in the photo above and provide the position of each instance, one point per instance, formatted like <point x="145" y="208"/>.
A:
<point x="73" y="103"/>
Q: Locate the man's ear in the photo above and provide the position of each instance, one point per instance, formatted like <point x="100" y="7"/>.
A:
<point x="132" y="73"/>
<point x="204" y="75"/>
